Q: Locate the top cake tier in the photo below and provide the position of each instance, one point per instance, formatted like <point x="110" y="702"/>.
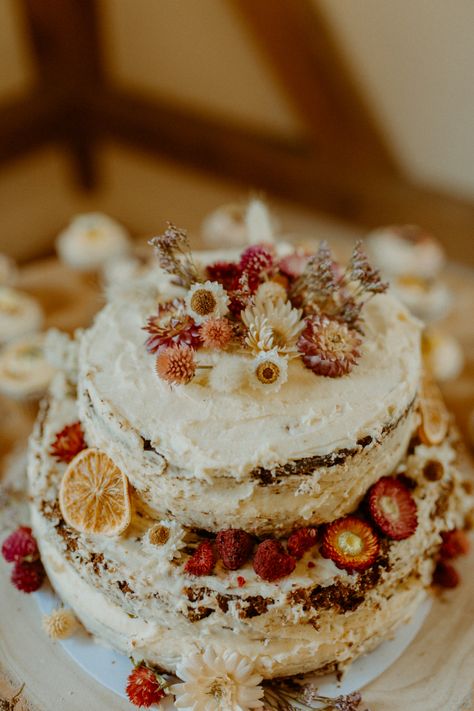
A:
<point x="262" y="461"/>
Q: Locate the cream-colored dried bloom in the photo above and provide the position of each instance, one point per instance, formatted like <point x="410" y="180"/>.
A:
<point x="273" y="325"/>
<point x="229" y="373"/>
<point x="60" y="624"/>
<point x="213" y="682"/>
<point x="208" y="300"/>
<point x="270" y="291"/>
<point x="165" y="539"/>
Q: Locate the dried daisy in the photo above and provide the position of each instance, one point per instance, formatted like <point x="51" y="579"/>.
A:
<point x="269" y="370"/>
<point x="174" y="255"/>
<point x="176" y="364"/>
<point x="216" y="333"/>
<point x="270" y="291"/>
<point x="328" y="347"/>
<point x="60" y="624"/>
<point x="208" y="300"/>
<point x="216" y="682"/>
<point x="272" y="325"/>
<point x="171" y="325"/>
<point x="165" y="537"/>
<point x="229" y="373"/>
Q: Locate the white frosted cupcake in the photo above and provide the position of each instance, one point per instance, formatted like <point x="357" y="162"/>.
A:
<point x="19" y="314"/>
<point x="91" y="240"/>
<point x="399" y="250"/>
<point x="238" y="224"/>
<point x="24" y="371"/>
<point x="442" y="354"/>
<point x="427" y="300"/>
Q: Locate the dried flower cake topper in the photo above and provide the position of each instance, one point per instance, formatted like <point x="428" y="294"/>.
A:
<point x="263" y="311"/>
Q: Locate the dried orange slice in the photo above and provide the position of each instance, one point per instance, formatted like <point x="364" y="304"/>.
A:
<point x="434" y="415"/>
<point x="94" y="495"/>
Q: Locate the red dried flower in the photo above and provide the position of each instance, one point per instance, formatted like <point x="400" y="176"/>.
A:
<point x="203" y="560"/>
<point x="257" y="263"/>
<point x="20" y="546"/>
<point x="226" y="273"/>
<point x="234" y="546"/>
<point x="328" y="347"/>
<point x="145" y="687"/>
<point x="171" y="326"/>
<point x="69" y="442"/>
<point x="216" y="333"/>
<point x="272" y="562"/>
<point x="28" y="577"/>
<point x="176" y="364"/>
<point x="301" y="541"/>
<point x="455" y="543"/>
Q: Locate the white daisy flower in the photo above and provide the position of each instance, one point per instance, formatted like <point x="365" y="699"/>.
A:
<point x="208" y="300"/>
<point x="277" y="318"/>
<point x="165" y="538"/>
<point x="269" y="371"/>
<point x="229" y="373"/>
<point x="213" y="682"/>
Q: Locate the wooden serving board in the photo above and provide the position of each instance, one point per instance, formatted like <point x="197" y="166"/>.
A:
<point x="436" y="673"/>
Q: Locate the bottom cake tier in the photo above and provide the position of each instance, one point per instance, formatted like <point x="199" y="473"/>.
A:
<point x="132" y="592"/>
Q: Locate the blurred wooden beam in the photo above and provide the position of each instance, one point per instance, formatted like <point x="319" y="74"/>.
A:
<point x="27" y="123"/>
<point x="291" y="170"/>
<point x="307" y="61"/>
<point x="64" y="40"/>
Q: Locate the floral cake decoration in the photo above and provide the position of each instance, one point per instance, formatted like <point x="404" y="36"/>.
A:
<point x="262" y="310"/>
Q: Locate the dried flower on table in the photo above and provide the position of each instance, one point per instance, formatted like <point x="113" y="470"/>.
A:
<point x="60" y="624"/>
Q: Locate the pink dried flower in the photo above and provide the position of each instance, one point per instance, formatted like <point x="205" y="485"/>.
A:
<point x="329" y="347"/>
<point x="216" y="333"/>
<point x="293" y="265"/>
<point x="176" y="364"/>
<point x="171" y="326"/>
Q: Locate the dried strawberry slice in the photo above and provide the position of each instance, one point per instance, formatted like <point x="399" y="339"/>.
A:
<point x="203" y="560"/>
<point x="351" y="543"/>
<point x="392" y="508"/>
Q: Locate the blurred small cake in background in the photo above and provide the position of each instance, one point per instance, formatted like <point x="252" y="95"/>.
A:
<point x="91" y="240"/>
<point x="19" y="314"/>
<point x="412" y="260"/>
<point x="60" y="350"/>
<point x="442" y="354"/>
<point x="235" y="225"/>
<point x="25" y="373"/>
<point x="123" y="269"/>
<point x="8" y="270"/>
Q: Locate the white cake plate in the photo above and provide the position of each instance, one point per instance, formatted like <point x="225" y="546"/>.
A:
<point x="111" y="669"/>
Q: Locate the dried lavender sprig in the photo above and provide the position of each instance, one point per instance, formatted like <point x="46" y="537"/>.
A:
<point x="174" y="254"/>
<point x="318" y="281"/>
<point x="361" y="271"/>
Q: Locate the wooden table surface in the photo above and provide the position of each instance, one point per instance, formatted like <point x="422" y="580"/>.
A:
<point x="435" y="674"/>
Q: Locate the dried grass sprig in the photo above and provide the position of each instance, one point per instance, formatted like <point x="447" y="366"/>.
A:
<point x="174" y="255"/>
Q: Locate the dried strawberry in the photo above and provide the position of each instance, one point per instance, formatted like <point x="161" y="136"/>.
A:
<point x="272" y="562"/>
<point x="234" y="546"/>
<point x="68" y="442"/>
<point x="301" y="541"/>
<point x="145" y="687"/>
<point x="446" y="575"/>
<point x="455" y="543"/>
<point x="20" y="546"/>
<point x="392" y="508"/>
<point x="351" y="543"/>
<point x="28" y="577"/>
<point x="203" y="560"/>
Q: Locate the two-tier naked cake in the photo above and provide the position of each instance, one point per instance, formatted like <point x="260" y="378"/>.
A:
<point x="248" y="458"/>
